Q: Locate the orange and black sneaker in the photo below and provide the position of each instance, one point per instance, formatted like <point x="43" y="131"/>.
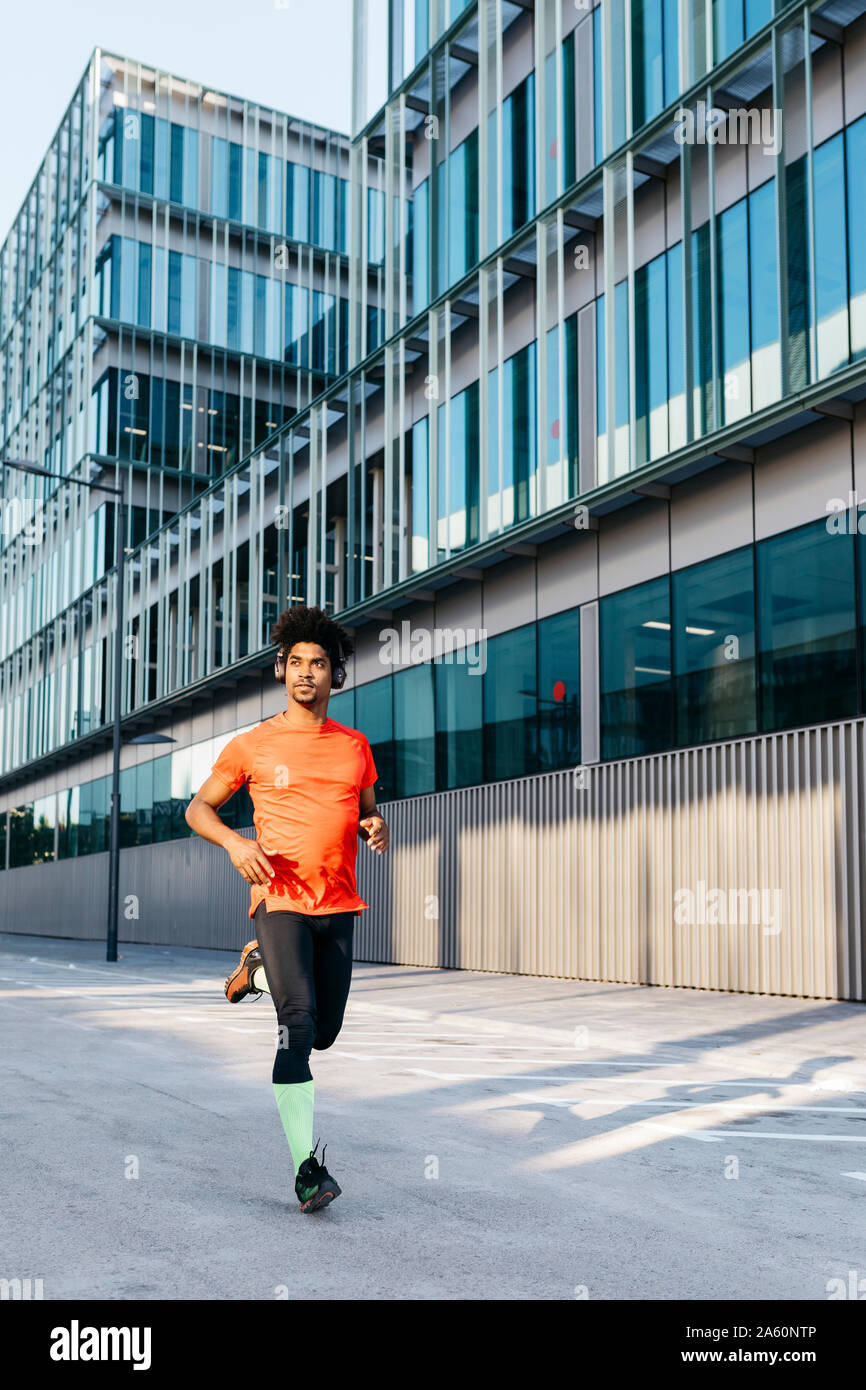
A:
<point x="240" y="982"/>
<point x="314" y="1186"/>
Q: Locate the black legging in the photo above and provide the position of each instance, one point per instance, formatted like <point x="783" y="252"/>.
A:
<point x="308" y="967"/>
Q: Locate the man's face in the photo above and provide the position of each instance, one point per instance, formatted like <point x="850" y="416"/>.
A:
<point x="308" y="674"/>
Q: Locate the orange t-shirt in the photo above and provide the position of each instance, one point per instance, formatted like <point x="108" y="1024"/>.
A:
<point x="305" y="786"/>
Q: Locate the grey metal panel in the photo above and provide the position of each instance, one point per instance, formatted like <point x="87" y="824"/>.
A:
<point x="590" y="731"/>
<point x="541" y="876"/>
<point x="544" y="876"/>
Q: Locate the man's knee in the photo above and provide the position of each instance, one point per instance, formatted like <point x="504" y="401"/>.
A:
<point x="296" y="1032"/>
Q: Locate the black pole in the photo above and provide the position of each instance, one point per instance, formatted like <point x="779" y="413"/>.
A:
<point x="26" y="466"/>
<point x="114" y="828"/>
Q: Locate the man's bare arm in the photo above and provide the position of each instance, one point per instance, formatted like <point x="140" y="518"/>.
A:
<point x="372" y="826"/>
<point x="201" y="816"/>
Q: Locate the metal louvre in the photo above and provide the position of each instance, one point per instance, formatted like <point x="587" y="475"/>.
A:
<point x="545" y="876"/>
<point x="542" y="876"/>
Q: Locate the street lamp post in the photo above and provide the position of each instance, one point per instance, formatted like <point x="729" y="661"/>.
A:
<point x="114" y="824"/>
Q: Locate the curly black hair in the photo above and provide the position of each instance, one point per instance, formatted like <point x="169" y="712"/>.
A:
<point x="302" y="624"/>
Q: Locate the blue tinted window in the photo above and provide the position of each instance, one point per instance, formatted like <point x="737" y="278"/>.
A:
<point x="855" y="138"/>
<point x="459" y="472"/>
<point x="414" y="730"/>
<point x="459" y="721"/>
<point x="597" y="69"/>
<point x="422" y="29"/>
<point x="807" y="626"/>
<point x="714" y="648"/>
<point x="298" y="202"/>
<point x="797" y="347"/>
<point x="373" y="712"/>
<point x="647" y="63"/>
<point x="670" y="12"/>
<point x="463" y="207"/>
<point x="733" y="311"/>
<point x="518" y="163"/>
<point x="758" y="13"/>
<point x="420" y="474"/>
<point x="651" y="366"/>
<point x="635" y="674"/>
<point x="728" y="31"/>
<point x="341" y="707"/>
<point x="702" y="363"/>
<point x="559" y="690"/>
<point x="420" y="248"/>
<point x="764" y="296"/>
<point x="510" y="704"/>
<point x="831" y="257"/>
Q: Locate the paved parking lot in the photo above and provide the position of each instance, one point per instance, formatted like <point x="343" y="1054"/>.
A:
<point x="495" y="1136"/>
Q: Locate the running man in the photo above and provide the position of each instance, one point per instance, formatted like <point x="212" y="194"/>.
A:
<point x="311" y="784"/>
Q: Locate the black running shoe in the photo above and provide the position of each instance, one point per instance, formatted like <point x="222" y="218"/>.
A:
<point x="314" y="1186"/>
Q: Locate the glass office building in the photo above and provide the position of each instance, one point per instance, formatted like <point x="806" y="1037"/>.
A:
<point x="559" y="374"/>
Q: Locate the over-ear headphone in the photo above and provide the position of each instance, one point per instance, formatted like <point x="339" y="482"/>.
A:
<point x="338" y="674"/>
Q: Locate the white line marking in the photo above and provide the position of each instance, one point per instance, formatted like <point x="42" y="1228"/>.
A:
<point x="732" y="1105"/>
<point x="861" y="1176"/>
<point x="608" y="1080"/>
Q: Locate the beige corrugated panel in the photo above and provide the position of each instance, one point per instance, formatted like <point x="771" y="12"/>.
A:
<point x="541" y="876"/>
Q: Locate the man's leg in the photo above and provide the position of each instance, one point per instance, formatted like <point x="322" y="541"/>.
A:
<point x="332" y="973"/>
<point x="286" y="945"/>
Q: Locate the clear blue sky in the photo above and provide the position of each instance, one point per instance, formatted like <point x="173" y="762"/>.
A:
<point x="296" y="59"/>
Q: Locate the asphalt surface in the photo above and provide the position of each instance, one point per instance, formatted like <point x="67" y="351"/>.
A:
<point x="495" y="1136"/>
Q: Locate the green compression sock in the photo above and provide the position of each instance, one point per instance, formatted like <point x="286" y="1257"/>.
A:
<point x="295" y="1104"/>
<point x="259" y="980"/>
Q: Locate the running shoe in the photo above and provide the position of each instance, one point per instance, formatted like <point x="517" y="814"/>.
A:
<point x="240" y="982"/>
<point x="314" y="1186"/>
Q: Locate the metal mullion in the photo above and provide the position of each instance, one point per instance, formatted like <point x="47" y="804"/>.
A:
<point x="322" y="412"/>
<point x="350" y="587"/>
<point x="685" y="287"/>
<point x="609" y="329"/>
<point x="404" y="541"/>
<point x="782" y="217"/>
<point x="539" y="33"/>
<point x="500" y="390"/>
<point x="363" y="497"/>
<point x="714" y="276"/>
<point x="388" y="479"/>
<point x="632" y="375"/>
<point x="432" y="438"/>
<point x="483" y="152"/>
<point x="483" y="403"/>
<point x="402" y="205"/>
<point x="446" y="352"/>
<point x="810" y="194"/>
<point x="500" y="169"/>
<point x="563" y="405"/>
<point x="541" y="366"/>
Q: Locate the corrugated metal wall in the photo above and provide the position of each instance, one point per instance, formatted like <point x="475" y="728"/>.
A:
<point x="573" y="874"/>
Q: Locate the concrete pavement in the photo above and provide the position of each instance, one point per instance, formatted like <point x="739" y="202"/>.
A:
<point x="495" y="1136"/>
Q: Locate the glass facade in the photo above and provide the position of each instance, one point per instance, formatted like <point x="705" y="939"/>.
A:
<point x="766" y="637"/>
<point x="329" y="366"/>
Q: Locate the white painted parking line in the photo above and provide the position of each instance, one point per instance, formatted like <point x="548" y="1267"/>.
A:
<point x="608" y="1080"/>
<point x="770" y="1134"/>
<point x="860" y="1176"/>
<point x="730" y="1103"/>
<point x="648" y="1065"/>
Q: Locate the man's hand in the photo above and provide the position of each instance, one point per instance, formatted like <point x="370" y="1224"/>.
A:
<point x="378" y="835"/>
<point x="249" y="860"/>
